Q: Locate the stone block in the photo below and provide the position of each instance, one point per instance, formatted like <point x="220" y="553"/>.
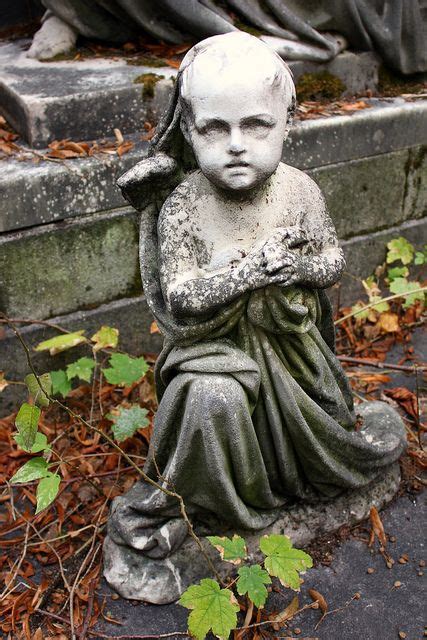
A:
<point x="358" y="71"/>
<point x="35" y="194"/>
<point x="46" y="100"/>
<point x="371" y="194"/>
<point x="56" y="269"/>
<point x="130" y="316"/>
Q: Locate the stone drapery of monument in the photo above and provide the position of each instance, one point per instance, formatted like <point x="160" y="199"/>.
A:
<point x="255" y="413"/>
<point x="296" y="29"/>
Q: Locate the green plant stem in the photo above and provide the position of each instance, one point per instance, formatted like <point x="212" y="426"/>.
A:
<point x="374" y="304"/>
<point x="144" y="476"/>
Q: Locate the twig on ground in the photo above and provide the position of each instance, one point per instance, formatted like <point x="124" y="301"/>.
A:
<point x="381" y="365"/>
<point x="374" y="304"/>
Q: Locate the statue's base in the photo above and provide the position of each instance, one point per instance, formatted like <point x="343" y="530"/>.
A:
<point x="161" y="581"/>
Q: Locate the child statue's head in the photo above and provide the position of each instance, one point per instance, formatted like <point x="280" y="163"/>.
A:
<point x="237" y="99"/>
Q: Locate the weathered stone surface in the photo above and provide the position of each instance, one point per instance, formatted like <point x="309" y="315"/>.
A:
<point x="72" y="265"/>
<point x="130" y="316"/>
<point x="371" y="194"/>
<point x="136" y="576"/>
<point x="35" y="194"/>
<point x="389" y="125"/>
<point x="44" y="101"/>
<point x="357" y="71"/>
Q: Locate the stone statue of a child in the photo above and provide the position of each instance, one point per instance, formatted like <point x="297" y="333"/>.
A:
<point x="255" y="411"/>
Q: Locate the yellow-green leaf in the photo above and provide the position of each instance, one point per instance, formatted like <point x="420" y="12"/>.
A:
<point x="81" y="368"/>
<point x="400" y="249"/>
<point x="47" y="491"/>
<point x="231" y="549"/>
<point x="251" y="582"/>
<point x="213" y="609"/>
<point x="127" y="421"/>
<point x="283" y="561"/>
<point x="32" y="470"/>
<point x="61" y="343"/>
<point x="125" y="370"/>
<point x="60" y="383"/>
<point x="40" y="443"/>
<point x="39" y="397"/>
<point x="27" y="422"/>
<point x="105" y="337"/>
<point x="405" y="288"/>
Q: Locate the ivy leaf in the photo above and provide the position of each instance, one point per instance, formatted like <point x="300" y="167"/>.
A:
<point x="32" y="470"/>
<point x="232" y="550"/>
<point x="81" y="368"/>
<point x="39" y="398"/>
<point x="397" y="272"/>
<point x="61" y="343"/>
<point x="283" y="561"/>
<point x="105" y="337"/>
<point x="127" y="421"/>
<point x="403" y="286"/>
<point x="251" y="581"/>
<point x="125" y="370"/>
<point x="47" y="491"/>
<point x="27" y="422"/>
<point x="400" y="249"/>
<point x="60" y="383"/>
<point x="420" y="257"/>
<point x="40" y="443"/>
<point x="212" y="609"/>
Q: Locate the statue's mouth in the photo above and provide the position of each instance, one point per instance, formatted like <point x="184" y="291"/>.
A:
<point x="239" y="164"/>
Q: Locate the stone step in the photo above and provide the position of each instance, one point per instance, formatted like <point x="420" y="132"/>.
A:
<point x="88" y="98"/>
<point x="33" y="194"/>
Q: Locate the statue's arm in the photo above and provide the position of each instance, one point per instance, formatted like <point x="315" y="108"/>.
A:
<point x="190" y="290"/>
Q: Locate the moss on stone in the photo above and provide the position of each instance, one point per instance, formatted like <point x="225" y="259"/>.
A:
<point x="319" y="86"/>
<point x="391" y="84"/>
<point x="149" y="81"/>
<point x="147" y="61"/>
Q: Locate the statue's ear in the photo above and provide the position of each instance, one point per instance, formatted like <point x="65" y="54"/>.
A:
<point x="147" y="180"/>
<point x="183" y="123"/>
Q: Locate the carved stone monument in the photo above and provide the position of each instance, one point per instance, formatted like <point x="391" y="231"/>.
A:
<point x="256" y="418"/>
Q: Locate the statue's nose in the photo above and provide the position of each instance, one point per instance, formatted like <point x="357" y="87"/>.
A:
<point x="236" y="143"/>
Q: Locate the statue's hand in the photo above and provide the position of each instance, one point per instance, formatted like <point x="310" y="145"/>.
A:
<point x="276" y="251"/>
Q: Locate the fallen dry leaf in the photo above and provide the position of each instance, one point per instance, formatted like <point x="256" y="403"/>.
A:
<point x="317" y="597"/>
<point x="377" y="526"/>
<point x="388" y="322"/>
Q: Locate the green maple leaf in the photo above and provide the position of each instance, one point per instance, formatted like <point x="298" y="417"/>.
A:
<point x="400" y="249"/>
<point x="81" y="368"/>
<point x="213" y="609"/>
<point x="40" y="443"/>
<point x="27" y="422"/>
<point x="252" y="581"/>
<point x="404" y="287"/>
<point x="39" y="398"/>
<point x="283" y="561"/>
<point x="397" y="272"/>
<point x="34" y="469"/>
<point x="60" y="383"/>
<point x="125" y="370"/>
<point x="231" y="549"/>
<point x="105" y="337"/>
<point x="127" y="421"/>
<point x="61" y="343"/>
<point x="47" y="491"/>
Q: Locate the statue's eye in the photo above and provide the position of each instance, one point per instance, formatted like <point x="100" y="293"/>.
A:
<point x="213" y="126"/>
<point x="257" y="125"/>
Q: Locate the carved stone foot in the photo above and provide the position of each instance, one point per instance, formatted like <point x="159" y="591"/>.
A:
<point x="54" y="36"/>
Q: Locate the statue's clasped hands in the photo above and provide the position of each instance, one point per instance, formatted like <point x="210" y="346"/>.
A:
<point x="279" y="258"/>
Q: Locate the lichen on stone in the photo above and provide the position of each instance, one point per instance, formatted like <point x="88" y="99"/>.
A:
<point x="149" y="81"/>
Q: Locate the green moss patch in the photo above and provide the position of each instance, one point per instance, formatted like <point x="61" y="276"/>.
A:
<point x="149" y="81"/>
<point x="319" y="86"/>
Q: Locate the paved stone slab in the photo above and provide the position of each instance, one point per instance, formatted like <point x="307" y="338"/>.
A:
<point x="71" y="265"/>
<point x="83" y="100"/>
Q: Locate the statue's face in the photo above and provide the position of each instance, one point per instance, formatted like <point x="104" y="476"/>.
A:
<point x="237" y="132"/>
